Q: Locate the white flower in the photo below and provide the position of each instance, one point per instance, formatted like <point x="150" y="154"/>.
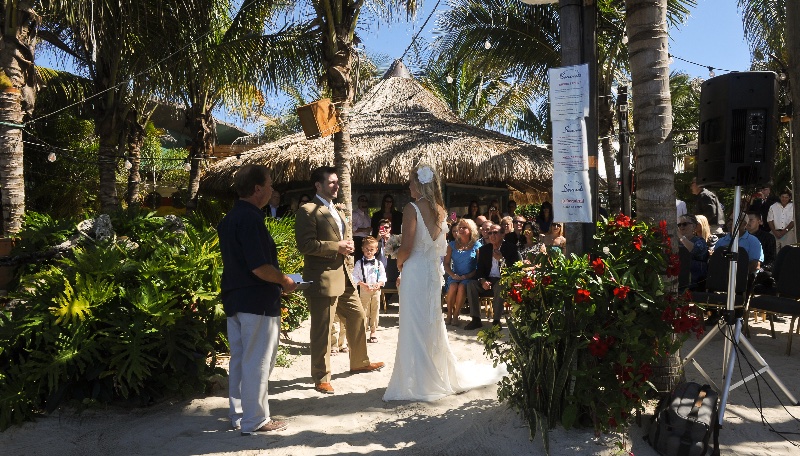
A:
<point x="606" y="251"/>
<point x="425" y="175"/>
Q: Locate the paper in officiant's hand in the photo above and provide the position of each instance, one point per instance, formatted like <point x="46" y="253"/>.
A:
<point x="298" y="279"/>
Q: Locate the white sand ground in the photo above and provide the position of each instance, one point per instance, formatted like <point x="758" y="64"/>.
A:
<point x="356" y="421"/>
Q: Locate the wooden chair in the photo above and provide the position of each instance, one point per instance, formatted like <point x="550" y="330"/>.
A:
<point x="787" y="286"/>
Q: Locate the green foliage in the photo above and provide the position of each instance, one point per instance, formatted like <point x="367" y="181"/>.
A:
<point x="135" y="318"/>
<point x="295" y="308"/>
<point x="585" y="332"/>
<point x="68" y="186"/>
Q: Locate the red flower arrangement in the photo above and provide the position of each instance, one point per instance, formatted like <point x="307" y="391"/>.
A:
<point x="582" y="295"/>
<point x="621" y="292"/>
<point x="598" y="266"/>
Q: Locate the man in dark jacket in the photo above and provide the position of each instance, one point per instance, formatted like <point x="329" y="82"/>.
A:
<point x="491" y="259"/>
<point x="707" y="204"/>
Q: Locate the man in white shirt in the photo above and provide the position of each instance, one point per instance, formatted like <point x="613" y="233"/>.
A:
<point x="680" y="206"/>
<point x="781" y="220"/>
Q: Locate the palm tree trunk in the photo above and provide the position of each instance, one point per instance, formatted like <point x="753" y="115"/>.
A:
<point x="17" y="96"/>
<point x="201" y="123"/>
<point x="135" y="141"/>
<point x="646" y="23"/>
<point x="107" y="163"/>
<point x="339" y="69"/>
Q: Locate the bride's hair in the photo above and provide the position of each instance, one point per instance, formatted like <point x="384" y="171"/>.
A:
<point x="431" y="190"/>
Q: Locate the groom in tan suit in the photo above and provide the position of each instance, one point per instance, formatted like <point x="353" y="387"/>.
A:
<point x="324" y="238"/>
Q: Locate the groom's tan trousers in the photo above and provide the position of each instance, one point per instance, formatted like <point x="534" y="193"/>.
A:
<point x="348" y="307"/>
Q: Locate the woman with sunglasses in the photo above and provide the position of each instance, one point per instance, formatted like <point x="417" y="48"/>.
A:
<point x="387" y="211"/>
<point x="460" y="266"/>
<point x="554" y="238"/>
<point x="693" y="253"/>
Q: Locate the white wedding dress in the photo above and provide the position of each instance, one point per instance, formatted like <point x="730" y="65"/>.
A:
<point x="425" y="369"/>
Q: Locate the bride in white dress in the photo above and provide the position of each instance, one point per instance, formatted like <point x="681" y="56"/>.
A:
<point x="425" y="369"/>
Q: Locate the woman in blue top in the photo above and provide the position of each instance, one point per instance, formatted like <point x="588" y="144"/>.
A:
<point x="460" y="265"/>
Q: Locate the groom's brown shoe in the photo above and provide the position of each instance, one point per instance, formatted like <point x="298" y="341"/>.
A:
<point x="324" y="388"/>
<point x="372" y="367"/>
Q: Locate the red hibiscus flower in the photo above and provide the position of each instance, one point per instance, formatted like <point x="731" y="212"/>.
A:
<point x="582" y="295"/>
<point x="674" y="267"/>
<point x="598" y="266"/>
<point x="527" y="283"/>
<point x="598" y="347"/>
<point x="621" y="292"/>
<point x="622" y="221"/>
<point x="637" y="242"/>
<point x="516" y="295"/>
<point x="547" y="280"/>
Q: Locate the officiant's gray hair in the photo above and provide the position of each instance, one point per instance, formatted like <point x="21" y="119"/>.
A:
<point x="432" y="191"/>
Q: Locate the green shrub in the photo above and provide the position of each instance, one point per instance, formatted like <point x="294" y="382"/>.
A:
<point x="586" y="332"/>
<point x="135" y="318"/>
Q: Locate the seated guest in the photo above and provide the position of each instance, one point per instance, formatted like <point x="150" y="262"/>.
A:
<point x="473" y="211"/>
<point x="387" y="211"/>
<point x="545" y="217"/>
<point x="451" y="235"/>
<point x="704" y="231"/>
<point x="507" y="227"/>
<point x="519" y="223"/>
<point x="460" y="263"/>
<point x="490" y="263"/>
<point x="555" y="238"/>
<point x="693" y="253"/>
<point x="747" y="242"/>
<point x="304" y="198"/>
<point x="532" y="247"/>
<point x="484" y="229"/>
<point x="480" y="220"/>
<point x="767" y="241"/>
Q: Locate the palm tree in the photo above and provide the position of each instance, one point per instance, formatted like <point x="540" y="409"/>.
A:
<point x="646" y="23"/>
<point x="335" y="23"/>
<point x="17" y="94"/>
<point x="112" y="43"/>
<point x="231" y="60"/>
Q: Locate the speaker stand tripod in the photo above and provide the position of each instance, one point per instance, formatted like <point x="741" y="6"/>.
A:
<point x="732" y="330"/>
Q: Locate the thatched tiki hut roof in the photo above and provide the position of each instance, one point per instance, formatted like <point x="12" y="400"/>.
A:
<point x="395" y="125"/>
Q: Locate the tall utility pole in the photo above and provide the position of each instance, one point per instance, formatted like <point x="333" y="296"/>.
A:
<point x="624" y="151"/>
<point x="577" y="23"/>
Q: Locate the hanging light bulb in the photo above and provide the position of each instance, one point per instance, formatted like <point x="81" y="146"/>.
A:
<point x="187" y="166"/>
<point x="782" y="76"/>
<point x="449" y="79"/>
<point x="625" y="39"/>
<point x="51" y="157"/>
<point x="487" y="44"/>
<point x="128" y="164"/>
<point x="711" y="73"/>
<point x="671" y="60"/>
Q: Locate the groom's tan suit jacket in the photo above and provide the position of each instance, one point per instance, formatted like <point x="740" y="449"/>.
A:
<point x="317" y="236"/>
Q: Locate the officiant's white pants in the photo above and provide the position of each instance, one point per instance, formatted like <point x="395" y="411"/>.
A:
<point x="254" y="347"/>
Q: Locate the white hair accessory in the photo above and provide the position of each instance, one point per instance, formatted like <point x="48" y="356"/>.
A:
<point x="425" y="175"/>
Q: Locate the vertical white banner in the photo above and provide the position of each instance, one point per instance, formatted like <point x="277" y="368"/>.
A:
<point x="569" y="92"/>
<point x="572" y="198"/>
<point x="570" y="152"/>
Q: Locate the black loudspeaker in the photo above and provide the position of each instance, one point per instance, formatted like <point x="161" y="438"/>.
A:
<point x="738" y="129"/>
